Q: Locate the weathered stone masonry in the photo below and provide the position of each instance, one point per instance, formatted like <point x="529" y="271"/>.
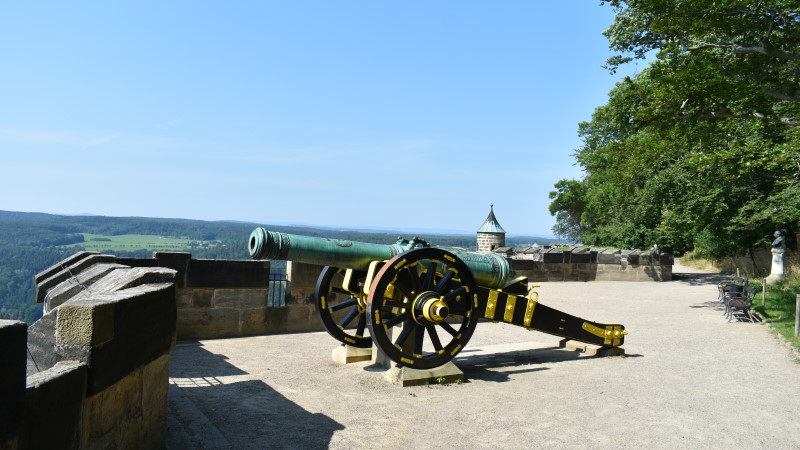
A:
<point x="542" y="264"/>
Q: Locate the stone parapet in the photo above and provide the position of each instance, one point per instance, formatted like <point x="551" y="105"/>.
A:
<point x="12" y="376"/>
<point x="541" y="264"/>
<point x="97" y="361"/>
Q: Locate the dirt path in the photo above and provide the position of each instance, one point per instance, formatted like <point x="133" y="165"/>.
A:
<point x="690" y="380"/>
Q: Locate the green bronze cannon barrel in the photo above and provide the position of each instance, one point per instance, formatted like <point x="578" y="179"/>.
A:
<point x="491" y="271"/>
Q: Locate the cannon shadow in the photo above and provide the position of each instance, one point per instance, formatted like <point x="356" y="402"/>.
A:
<point x="498" y="367"/>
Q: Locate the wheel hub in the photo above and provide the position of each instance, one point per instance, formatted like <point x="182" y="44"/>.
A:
<point x="430" y="308"/>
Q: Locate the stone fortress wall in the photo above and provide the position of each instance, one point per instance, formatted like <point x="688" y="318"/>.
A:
<point x="574" y="263"/>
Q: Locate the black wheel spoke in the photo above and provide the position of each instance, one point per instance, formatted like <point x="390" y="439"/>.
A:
<point x="437" y="344"/>
<point x="448" y="328"/>
<point x="405" y="333"/>
<point x="404" y="289"/>
<point x="429" y="275"/>
<point x="339" y="290"/>
<point x="362" y="323"/>
<point x="389" y="305"/>
<point x="349" y="318"/>
<point x="416" y="284"/>
<point x="349" y="302"/>
<point x="455" y="292"/>
<point x="419" y="337"/>
<point x="396" y="320"/>
<point x="443" y="282"/>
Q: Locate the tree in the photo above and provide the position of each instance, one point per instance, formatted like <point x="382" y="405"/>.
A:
<point x="568" y="206"/>
<point x="700" y="149"/>
<point x="741" y="56"/>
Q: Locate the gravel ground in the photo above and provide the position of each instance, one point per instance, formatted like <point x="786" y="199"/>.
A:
<point x="690" y="379"/>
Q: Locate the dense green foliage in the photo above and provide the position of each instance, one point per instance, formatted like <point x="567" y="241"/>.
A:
<point x="702" y="148"/>
<point x="32" y="242"/>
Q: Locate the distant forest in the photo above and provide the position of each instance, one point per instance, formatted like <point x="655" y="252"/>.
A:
<point x="32" y="242"/>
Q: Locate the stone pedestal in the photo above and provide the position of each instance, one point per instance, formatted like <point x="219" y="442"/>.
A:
<point x="346" y="354"/>
<point x="776" y="274"/>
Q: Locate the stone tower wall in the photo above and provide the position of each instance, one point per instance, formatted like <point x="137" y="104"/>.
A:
<point x="488" y="242"/>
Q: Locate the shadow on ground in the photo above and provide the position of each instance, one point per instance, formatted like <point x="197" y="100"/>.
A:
<point x="498" y="367"/>
<point x="700" y="279"/>
<point x="207" y="411"/>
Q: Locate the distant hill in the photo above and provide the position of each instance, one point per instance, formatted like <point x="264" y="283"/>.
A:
<point x="31" y="242"/>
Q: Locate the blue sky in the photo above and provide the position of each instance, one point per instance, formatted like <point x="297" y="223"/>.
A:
<point x="381" y="114"/>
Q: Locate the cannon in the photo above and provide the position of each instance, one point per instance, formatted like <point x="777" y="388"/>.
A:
<point x="420" y="304"/>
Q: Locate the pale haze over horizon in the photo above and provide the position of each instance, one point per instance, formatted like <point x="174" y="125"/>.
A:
<point x="352" y="114"/>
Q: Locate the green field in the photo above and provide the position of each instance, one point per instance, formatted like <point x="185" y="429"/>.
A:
<point x="131" y="242"/>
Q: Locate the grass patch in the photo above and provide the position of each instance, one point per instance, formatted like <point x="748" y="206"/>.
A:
<point x="780" y="308"/>
<point x="131" y="242"/>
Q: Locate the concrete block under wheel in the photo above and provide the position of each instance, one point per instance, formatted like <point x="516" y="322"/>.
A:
<point x="406" y="376"/>
<point x="346" y="354"/>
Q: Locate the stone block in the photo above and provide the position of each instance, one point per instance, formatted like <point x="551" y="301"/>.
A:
<point x="58" y="267"/>
<point x="43" y="287"/>
<point x="208" y="323"/>
<point x="240" y="298"/>
<point x="609" y="257"/>
<point x="303" y="275"/>
<point x="647" y="259"/>
<point x="128" y="278"/>
<point x="521" y="264"/>
<point x="144" y="329"/>
<point x="346" y="354"/>
<point x="54" y="400"/>
<point x="13" y="357"/>
<point x="85" y="322"/>
<point x="553" y="256"/>
<point x="301" y="318"/>
<point x="276" y="320"/>
<point x="633" y="256"/>
<point x="253" y="321"/>
<point x="200" y="298"/>
<point x="299" y="295"/>
<point x="138" y="262"/>
<point x="155" y="385"/>
<point x="42" y="343"/>
<point x="580" y="257"/>
<point x="227" y="273"/>
<point x="71" y="288"/>
<point x="184" y="297"/>
<point x="178" y="261"/>
<point x="406" y="376"/>
<point x="112" y="410"/>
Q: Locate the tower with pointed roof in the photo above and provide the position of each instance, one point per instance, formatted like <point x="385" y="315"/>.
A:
<point x="491" y="235"/>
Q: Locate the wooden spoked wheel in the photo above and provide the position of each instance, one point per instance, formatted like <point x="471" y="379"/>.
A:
<point x="342" y="311"/>
<point x="432" y="297"/>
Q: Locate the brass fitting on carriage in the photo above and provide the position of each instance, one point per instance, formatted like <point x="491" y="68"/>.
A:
<point x="612" y="334"/>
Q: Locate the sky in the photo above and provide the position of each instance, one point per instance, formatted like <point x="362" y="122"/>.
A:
<point x="412" y="115"/>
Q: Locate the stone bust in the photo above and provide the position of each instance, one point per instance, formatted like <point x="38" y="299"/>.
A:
<point x="779" y="242"/>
